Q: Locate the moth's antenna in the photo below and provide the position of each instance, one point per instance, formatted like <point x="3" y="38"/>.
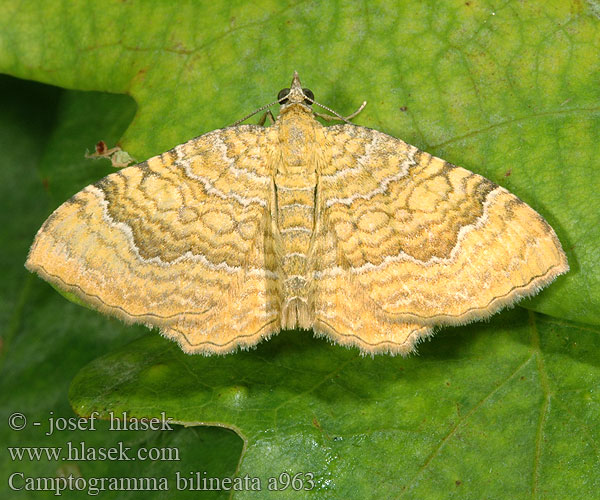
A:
<point x="253" y="113"/>
<point x="337" y="115"/>
<point x="362" y="106"/>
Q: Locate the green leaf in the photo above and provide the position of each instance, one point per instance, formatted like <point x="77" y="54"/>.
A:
<point x="498" y="410"/>
<point x="507" y="90"/>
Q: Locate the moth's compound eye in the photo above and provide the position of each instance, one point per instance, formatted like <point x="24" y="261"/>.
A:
<point x="310" y="97"/>
<point x="281" y="97"/>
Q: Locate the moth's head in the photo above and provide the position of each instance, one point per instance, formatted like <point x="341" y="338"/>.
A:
<point x="296" y="95"/>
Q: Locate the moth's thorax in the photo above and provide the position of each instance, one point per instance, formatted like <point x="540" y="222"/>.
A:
<point x="296" y="182"/>
<point x="297" y="139"/>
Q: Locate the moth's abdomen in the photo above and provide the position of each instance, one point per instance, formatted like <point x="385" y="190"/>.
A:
<point x="295" y="221"/>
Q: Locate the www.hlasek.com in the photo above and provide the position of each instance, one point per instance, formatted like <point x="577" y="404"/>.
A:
<point x="80" y="452"/>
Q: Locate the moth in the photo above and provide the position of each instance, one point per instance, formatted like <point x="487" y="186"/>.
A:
<point x="232" y="236"/>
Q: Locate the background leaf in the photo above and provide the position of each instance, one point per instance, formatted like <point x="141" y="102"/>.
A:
<point x="507" y="90"/>
<point x="515" y="398"/>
